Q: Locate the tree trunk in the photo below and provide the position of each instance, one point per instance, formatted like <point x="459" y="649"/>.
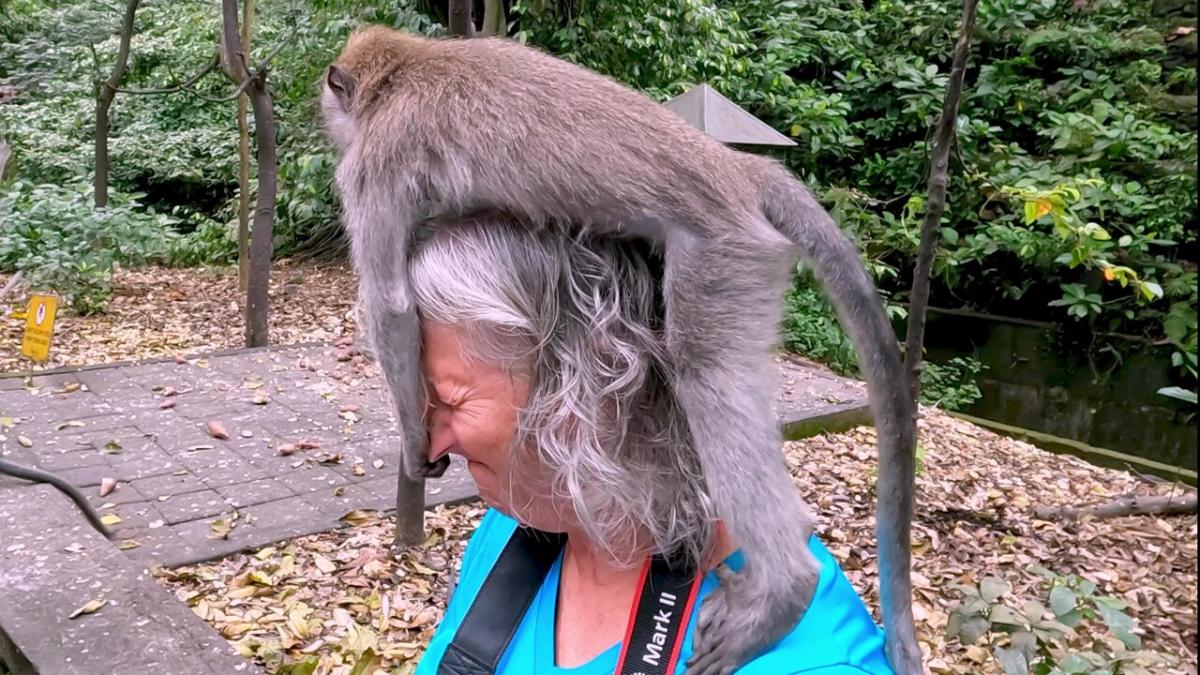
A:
<point x="5" y="153"/>
<point x="264" y="213"/>
<point x="243" y="238"/>
<point x="939" y="180"/>
<point x="105" y="94"/>
<point x="461" y="21"/>
<point x="494" y="20"/>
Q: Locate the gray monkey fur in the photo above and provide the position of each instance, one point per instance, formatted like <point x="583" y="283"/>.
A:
<point x="38" y="476"/>
<point x="426" y="127"/>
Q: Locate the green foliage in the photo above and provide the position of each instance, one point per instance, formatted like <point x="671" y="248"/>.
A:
<point x="1062" y="107"/>
<point x="54" y="237"/>
<point x="951" y="385"/>
<point x="810" y="327"/>
<point x="1072" y="109"/>
<point x="178" y="150"/>
<point x="1074" y="630"/>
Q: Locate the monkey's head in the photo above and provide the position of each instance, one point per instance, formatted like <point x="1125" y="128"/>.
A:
<point x="353" y="82"/>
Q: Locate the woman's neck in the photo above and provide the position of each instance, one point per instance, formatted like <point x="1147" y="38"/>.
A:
<point x="594" y="597"/>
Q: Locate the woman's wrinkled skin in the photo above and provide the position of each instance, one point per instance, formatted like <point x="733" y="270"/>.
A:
<point x="472" y="413"/>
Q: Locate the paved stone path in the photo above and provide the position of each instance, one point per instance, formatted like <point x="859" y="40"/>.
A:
<point x="175" y="478"/>
<point x="149" y="426"/>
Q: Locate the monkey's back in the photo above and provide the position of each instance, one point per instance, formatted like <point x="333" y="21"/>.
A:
<point x="506" y="123"/>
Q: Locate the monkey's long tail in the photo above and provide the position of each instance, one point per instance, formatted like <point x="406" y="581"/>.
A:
<point x="793" y="210"/>
<point x="39" y="476"/>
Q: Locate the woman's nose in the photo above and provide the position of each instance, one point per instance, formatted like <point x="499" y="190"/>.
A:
<point x="441" y="435"/>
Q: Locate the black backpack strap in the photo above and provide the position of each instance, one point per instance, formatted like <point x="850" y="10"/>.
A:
<point x="505" y="595"/>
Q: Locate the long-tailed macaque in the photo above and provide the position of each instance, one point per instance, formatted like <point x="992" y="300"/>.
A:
<point x="428" y="127"/>
<point x="38" y="476"/>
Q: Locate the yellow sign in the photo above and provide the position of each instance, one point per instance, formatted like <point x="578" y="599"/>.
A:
<point x="39" y="327"/>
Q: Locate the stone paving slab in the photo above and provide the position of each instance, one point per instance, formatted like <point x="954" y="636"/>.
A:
<point x="52" y="563"/>
<point x="175" y="479"/>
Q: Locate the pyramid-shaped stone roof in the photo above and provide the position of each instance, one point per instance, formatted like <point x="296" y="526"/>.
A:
<point x="707" y="110"/>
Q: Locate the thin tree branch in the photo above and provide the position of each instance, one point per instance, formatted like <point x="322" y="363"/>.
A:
<point x="1129" y="505"/>
<point x="939" y="179"/>
<point x="178" y="86"/>
<point x="105" y="93"/>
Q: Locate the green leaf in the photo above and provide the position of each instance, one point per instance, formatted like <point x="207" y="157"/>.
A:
<point x="993" y="588"/>
<point x="1121" y="625"/>
<point x="1006" y="615"/>
<point x="972" y="629"/>
<point x="1062" y="600"/>
<point x="368" y="662"/>
<point x="1178" y="393"/>
<point x="1026" y="642"/>
<point x="306" y="667"/>
<point x="1151" y="290"/>
<point x="1054" y="627"/>
<point x="1013" y="661"/>
<point x="1074" y="664"/>
<point x="1033" y="611"/>
<point x="1031" y="215"/>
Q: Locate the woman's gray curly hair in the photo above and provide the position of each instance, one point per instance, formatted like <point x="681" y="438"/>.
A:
<point x="581" y="318"/>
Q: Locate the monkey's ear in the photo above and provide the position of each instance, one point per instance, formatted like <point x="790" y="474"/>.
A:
<point x="342" y="85"/>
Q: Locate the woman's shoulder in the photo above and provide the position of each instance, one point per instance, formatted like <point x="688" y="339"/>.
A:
<point x="484" y="547"/>
<point x="836" y="636"/>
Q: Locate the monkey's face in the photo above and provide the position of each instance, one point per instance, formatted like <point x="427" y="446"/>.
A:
<point x="337" y="99"/>
<point x="473" y="408"/>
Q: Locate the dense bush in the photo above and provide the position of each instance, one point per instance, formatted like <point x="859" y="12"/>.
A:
<point x="1073" y="194"/>
<point x="1060" y="97"/>
<point x="53" y="236"/>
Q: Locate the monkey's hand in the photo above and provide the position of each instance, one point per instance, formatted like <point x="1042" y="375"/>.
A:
<point x="748" y="612"/>
<point x="417" y="465"/>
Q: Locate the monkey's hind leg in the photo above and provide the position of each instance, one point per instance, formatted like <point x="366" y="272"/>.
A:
<point x="723" y="307"/>
<point x="38" y="476"/>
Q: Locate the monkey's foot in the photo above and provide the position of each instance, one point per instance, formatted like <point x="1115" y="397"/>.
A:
<point x="747" y="613"/>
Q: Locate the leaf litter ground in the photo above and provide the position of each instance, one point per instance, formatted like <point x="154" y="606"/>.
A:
<point x="159" y="312"/>
<point x="339" y="601"/>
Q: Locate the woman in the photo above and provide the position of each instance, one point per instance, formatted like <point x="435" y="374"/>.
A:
<point x="545" y="372"/>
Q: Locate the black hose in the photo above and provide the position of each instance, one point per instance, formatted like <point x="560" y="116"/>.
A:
<point x="39" y="476"/>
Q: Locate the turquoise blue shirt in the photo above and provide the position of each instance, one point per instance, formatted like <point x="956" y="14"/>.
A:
<point x="836" y="636"/>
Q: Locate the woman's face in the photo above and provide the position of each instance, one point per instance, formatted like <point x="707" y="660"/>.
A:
<point x="473" y="413"/>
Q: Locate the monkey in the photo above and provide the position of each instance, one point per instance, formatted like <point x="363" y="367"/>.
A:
<point x="39" y="476"/>
<point x="424" y="127"/>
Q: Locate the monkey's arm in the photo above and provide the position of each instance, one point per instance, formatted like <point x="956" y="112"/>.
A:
<point x="380" y="221"/>
<point x="39" y="476"/>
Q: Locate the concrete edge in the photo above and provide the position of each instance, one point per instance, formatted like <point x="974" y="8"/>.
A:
<point x="66" y="370"/>
<point x="1103" y="457"/>
<point x="12" y="658"/>
<point x="264" y="537"/>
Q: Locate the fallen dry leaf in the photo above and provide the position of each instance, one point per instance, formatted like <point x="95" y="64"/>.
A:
<point x="110" y="519"/>
<point x="107" y="485"/>
<point x="217" y="430"/>
<point x="91" y="607"/>
<point x="221" y="527"/>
